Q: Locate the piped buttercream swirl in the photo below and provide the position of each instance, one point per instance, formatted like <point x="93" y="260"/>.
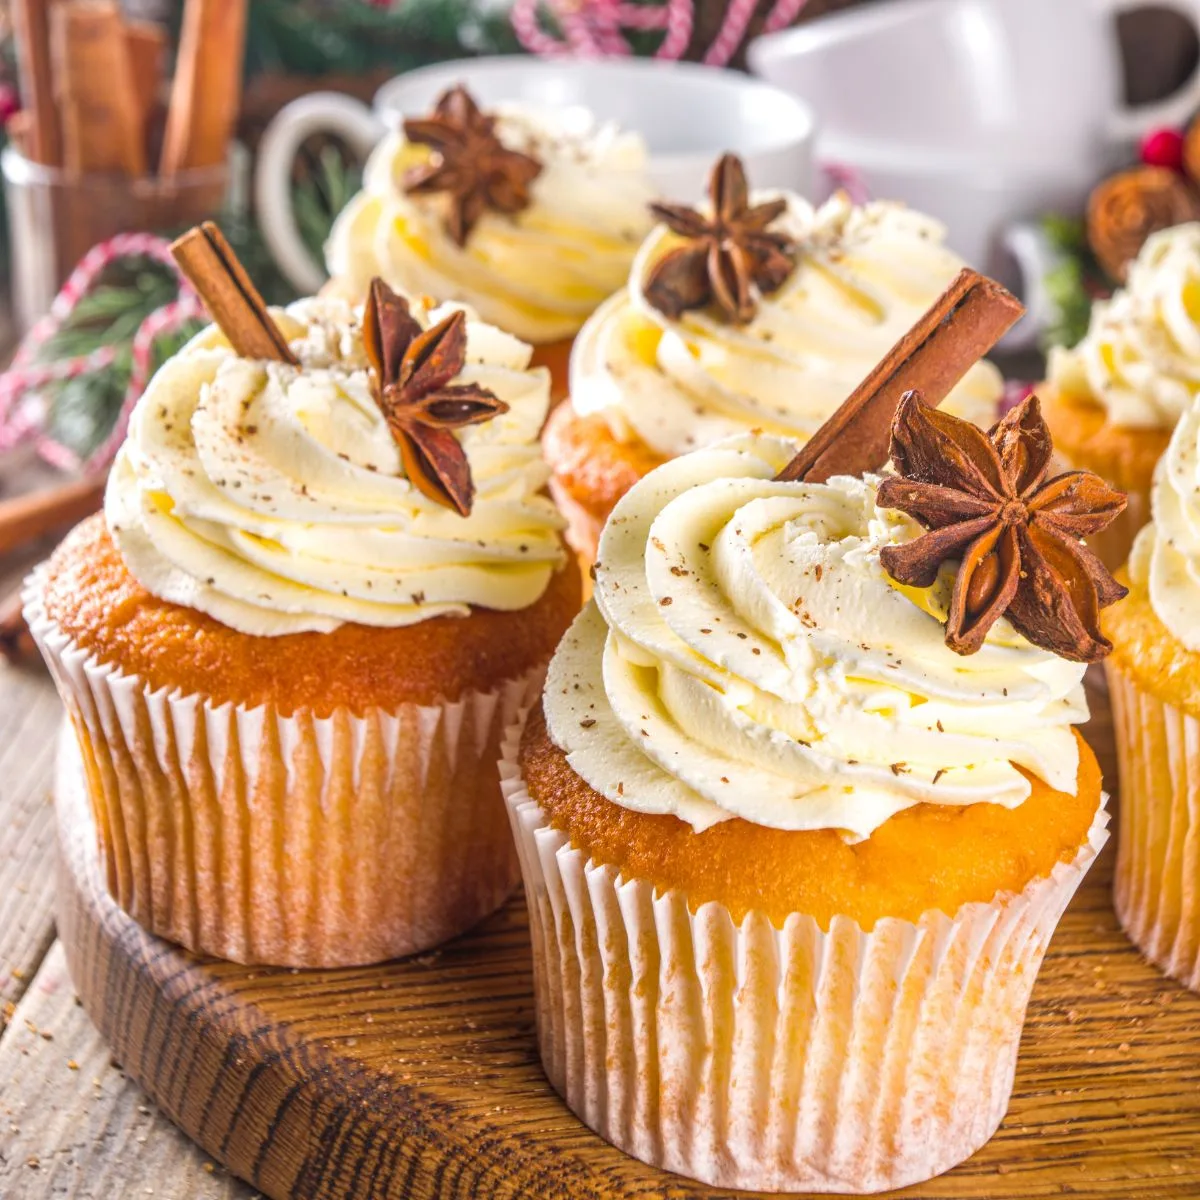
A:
<point x="539" y="273"/>
<point x="863" y="277"/>
<point x="1140" y="358"/>
<point x="272" y="497"/>
<point x="1165" y="560"/>
<point x="745" y="655"/>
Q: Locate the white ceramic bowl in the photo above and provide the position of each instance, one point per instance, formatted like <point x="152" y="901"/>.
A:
<point x="688" y="115"/>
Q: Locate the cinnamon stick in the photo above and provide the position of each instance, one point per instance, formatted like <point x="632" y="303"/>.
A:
<point x="31" y="27"/>
<point x="24" y="518"/>
<point x="207" y="89"/>
<point x="232" y="300"/>
<point x="102" y="127"/>
<point x="961" y="326"/>
<point x="146" y="49"/>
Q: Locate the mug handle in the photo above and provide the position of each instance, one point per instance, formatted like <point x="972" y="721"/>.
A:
<point x="1130" y="124"/>
<point x="320" y="112"/>
<point x="1032" y="256"/>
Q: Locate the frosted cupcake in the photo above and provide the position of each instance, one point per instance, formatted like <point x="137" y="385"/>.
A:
<point x="319" y="592"/>
<point x="803" y="304"/>
<point x="1113" y="400"/>
<point x="1154" y="681"/>
<point x="804" y="802"/>
<point x="532" y="216"/>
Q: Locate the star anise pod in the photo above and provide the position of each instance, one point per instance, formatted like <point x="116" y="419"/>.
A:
<point x="986" y="502"/>
<point x="726" y="256"/>
<point x="413" y="368"/>
<point x="470" y="163"/>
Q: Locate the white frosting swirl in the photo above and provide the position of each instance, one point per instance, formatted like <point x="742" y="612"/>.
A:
<point x="538" y="274"/>
<point x="1140" y="358"/>
<point x="1165" y="559"/>
<point x="747" y="656"/>
<point x="272" y="497"/>
<point x="864" y="276"/>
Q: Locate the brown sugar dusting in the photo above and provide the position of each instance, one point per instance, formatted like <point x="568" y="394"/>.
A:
<point x="94" y="599"/>
<point x="927" y="857"/>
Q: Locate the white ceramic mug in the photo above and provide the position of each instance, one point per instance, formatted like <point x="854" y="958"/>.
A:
<point x="688" y="114"/>
<point x="982" y="113"/>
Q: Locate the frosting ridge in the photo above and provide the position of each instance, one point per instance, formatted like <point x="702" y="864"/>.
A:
<point x="745" y="655"/>
<point x="538" y="273"/>
<point x="1165" y="559"/>
<point x="1140" y="358"/>
<point x="864" y="275"/>
<point x="272" y="497"/>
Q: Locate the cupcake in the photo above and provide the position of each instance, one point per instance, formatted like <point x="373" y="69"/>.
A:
<point x="1154" y="682"/>
<point x="1113" y="400"/>
<point x="800" y="809"/>
<point x="773" y="336"/>
<point x="530" y="215"/>
<point x="323" y="584"/>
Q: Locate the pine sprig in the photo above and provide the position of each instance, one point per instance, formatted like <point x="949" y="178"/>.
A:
<point x="1073" y="285"/>
<point x="319" y="37"/>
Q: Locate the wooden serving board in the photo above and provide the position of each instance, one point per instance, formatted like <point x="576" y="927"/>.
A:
<point x="420" y="1079"/>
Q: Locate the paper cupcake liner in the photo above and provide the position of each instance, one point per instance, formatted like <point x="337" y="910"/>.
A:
<point x="794" y="1059"/>
<point x="295" y="841"/>
<point x="1156" y="889"/>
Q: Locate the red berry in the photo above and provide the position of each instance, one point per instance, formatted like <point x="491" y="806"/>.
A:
<point x="1163" y="148"/>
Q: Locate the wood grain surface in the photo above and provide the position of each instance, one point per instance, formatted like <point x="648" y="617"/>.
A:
<point x="420" y="1078"/>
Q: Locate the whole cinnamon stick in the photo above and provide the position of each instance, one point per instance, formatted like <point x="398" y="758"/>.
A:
<point x="207" y="89"/>
<point x="961" y="326"/>
<point x="102" y="120"/>
<point x="31" y="27"/>
<point x="146" y="48"/>
<point x="24" y="518"/>
<point x="230" y="296"/>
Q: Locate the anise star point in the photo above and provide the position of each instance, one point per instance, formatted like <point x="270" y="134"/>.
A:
<point x="412" y="372"/>
<point x="470" y="165"/>
<point x="726" y="257"/>
<point x="985" y="502"/>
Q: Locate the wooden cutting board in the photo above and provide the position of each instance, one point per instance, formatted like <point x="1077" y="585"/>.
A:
<point x="420" y="1079"/>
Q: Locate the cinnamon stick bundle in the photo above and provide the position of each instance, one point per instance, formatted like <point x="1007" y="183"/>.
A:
<point x="101" y="116"/>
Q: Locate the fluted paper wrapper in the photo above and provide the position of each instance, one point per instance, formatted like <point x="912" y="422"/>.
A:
<point x="792" y="1059"/>
<point x="291" y="840"/>
<point x="1156" y="889"/>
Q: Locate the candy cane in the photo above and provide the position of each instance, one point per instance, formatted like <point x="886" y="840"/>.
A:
<point x="678" y="30"/>
<point x="17" y="424"/>
<point x="593" y="27"/>
<point x="782" y="15"/>
<point x="527" y="27"/>
<point x="733" y="30"/>
<point x="18" y="421"/>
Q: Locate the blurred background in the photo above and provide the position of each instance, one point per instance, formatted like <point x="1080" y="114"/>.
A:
<point x="901" y="92"/>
